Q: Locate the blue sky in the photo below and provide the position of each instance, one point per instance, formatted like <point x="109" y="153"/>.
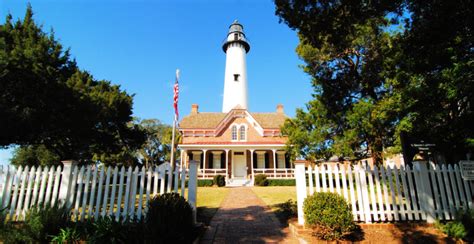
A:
<point x="140" y="44"/>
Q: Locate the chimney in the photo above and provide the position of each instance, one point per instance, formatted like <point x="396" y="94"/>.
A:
<point x="280" y="108"/>
<point x="194" y="109"/>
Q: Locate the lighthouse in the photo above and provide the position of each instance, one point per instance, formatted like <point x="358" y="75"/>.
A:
<point x="236" y="48"/>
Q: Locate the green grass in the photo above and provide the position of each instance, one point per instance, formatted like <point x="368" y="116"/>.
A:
<point x="208" y="201"/>
<point x="277" y="197"/>
<point x="273" y="195"/>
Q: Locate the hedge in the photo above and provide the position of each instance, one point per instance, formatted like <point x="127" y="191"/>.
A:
<point x="281" y="182"/>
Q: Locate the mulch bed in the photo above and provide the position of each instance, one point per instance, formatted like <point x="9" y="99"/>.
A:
<point x="381" y="233"/>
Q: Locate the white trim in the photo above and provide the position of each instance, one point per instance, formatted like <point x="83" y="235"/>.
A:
<point x="220" y="146"/>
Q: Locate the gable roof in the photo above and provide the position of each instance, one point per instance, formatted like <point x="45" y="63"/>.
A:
<point x="212" y="120"/>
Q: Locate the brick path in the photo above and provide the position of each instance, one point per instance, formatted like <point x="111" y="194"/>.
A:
<point x="245" y="218"/>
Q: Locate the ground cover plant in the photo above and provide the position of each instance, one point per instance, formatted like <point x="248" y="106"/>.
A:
<point x="261" y="180"/>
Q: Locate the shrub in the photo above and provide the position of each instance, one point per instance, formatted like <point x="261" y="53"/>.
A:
<point x="329" y="214"/>
<point x="169" y="219"/>
<point x="453" y="229"/>
<point x="67" y="235"/>
<point x="43" y="223"/>
<point x="204" y="183"/>
<point x="286" y="210"/>
<point x="219" y="180"/>
<point x="108" y="230"/>
<point x="261" y="180"/>
<point x="281" y="182"/>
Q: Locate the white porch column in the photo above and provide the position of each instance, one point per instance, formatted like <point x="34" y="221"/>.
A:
<point x="274" y="163"/>
<point x="226" y="164"/>
<point x="204" y="163"/>
<point x="183" y="159"/>
<point x="251" y="162"/>
<point x="197" y="158"/>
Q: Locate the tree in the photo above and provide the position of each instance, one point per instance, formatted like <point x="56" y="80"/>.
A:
<point x="34" y="156"/>
<point x="157" y="147"/>
<point x="376" y="81"/>
<point x="47" y="100"/>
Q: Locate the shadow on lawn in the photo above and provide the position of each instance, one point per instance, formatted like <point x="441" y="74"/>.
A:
<point x="254" y="224"/>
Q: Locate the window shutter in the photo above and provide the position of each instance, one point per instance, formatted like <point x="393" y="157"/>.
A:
<point x="211" y="160"/>
<point x="223" y="160"/>
<point x="267" y="159"/>
<point x="202" y="159"/>
<point x="254" y="160"/>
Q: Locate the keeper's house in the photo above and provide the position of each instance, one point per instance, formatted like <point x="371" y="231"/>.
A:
<point x="235" y="142"/>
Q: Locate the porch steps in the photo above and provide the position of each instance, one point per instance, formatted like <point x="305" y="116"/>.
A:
<point x="239" y="182"/>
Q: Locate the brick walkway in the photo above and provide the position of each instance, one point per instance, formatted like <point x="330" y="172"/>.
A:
<point x="245" y="218"/>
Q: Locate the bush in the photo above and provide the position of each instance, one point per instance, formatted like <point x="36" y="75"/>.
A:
<point x="68" y="235"/>
<point x="108" y="230"/>
<point x="169" y="219"/>
<point x="219" y="180"/>
<point x="281" y="182"/>
<point x="261" y="180"/>
<point x="453" y="229"/>
<point x="204" y="183"/>
<point x="286" y="210"/>
<point x="329" y="214"/>
<point x="462" y="227"/>
<point x="43" y="223"/>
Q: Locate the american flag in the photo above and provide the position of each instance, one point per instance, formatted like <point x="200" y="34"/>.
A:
<point x="175" y="95"/>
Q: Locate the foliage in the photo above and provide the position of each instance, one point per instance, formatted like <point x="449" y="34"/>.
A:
<point x="329" y="214"/>
<point x="461" y="227"/>
<point x="261" y="180"/>
<point x="219" y="180"/>
<point x="205" y="183"/>
<point x="385" y="73"/>
<point x="47" y="100"/>
<point x="170" y="219"/>
<point x="285" y="211"/>
<point x="157" y="147"/>
<point x="281" y="182"/>
<point x="43" y="222"/>
<point x="109" y="230"/>
<point x="67" y="236"/>
<point x="34" y="155"/>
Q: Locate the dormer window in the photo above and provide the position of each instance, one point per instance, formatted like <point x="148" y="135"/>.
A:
<point x="234" y="133"/>
<point x="242" y="134"/>
<point x="236" y="77"/>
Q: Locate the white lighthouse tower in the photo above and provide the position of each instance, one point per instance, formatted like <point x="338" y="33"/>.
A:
<point x="236" y="48"/>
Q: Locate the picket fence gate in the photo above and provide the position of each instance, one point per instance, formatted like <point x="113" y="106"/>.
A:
<point x="379" y="194"/>
<point x="89" y="191"/>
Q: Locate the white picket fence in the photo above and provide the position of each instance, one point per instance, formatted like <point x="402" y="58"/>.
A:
<point x="89" y="191"/>
<point x="381" y="194"/>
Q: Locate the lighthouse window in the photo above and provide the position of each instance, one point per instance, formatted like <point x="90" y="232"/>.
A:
<point x="236" y="77"/>
<point x="236" y="36"/>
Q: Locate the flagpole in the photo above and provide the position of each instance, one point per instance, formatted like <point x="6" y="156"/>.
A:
<point x="175" y="104"/>
<point x="172" y="144"/>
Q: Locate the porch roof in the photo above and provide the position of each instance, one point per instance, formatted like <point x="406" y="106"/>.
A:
<point x="230" y="145"/>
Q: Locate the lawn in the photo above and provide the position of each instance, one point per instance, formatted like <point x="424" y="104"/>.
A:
<point x="276" y="197"/>
<point x="208" y="201"/>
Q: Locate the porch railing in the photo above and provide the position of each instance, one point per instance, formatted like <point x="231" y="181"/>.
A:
<point x="286" y="173"/>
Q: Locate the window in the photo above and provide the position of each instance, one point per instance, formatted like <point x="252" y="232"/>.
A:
<point x="236" y="36"/>
<point x="260" y="160"/>
<point x="236" y="77"/>
<point x="242" y="133"/>
<point x="281" y="160"/>
<point x="216" y="160"/>
<point x="234" y="133"/>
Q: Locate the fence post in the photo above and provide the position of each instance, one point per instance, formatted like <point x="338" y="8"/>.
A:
<point x="426" y="195"/>
<point x="192" y="186"/>
<point x="66" y="177"/>
<point x="300" y="176"/>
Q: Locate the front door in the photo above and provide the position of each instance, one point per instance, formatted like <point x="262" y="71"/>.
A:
<point x="240" y="166"/>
